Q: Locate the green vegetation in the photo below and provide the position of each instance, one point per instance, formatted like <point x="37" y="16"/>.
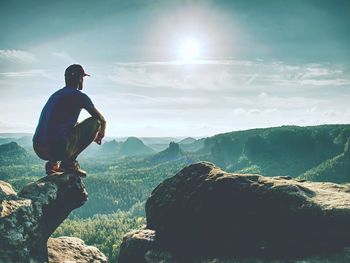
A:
<point x="286" y="150"/>
<point x="124" y="183"/>
<point x="118" y="187"/>
<point x="103" y="231"/>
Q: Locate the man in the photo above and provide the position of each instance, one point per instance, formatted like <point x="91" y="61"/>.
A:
<point x="58" y="138"/>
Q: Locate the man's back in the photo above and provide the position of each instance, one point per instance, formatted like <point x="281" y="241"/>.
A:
<point x="60" y="114"/>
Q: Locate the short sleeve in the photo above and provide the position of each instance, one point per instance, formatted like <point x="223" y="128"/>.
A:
<point x="86" y="102"/>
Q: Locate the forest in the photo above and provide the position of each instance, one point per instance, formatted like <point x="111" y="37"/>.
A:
<point x="119" y="184"/>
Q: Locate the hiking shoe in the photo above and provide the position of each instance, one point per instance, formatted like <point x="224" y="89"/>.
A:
<point x="52" y="167"/>
<point x="73" y="167"/>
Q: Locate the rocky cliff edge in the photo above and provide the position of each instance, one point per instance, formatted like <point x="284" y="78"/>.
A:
<point x="27" y="220"/>
<point x="204" y="214"/>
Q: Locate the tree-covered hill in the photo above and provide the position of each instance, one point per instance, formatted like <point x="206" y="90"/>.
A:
<point x="286" y="150"/>
<point x="13" y="154"/>
<point x="134" y="146"/>
<point x="336" y="169"/>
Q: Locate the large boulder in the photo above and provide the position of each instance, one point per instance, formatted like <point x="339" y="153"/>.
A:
<point x="27" y="219"/>
<point x="204" y="212"/>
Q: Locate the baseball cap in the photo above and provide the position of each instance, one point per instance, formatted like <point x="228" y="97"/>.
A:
<point x="75" y="69"/>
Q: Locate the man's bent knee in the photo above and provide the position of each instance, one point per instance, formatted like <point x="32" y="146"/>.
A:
<point x="94" y="123"/>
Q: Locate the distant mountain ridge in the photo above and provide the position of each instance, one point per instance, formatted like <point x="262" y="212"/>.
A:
<point x="15" y="135"/>
<point x="285" y="150"/>
<point x="313" y="152"/>
<point x="187" y="140"/>
<point x="134" y="146"/>
<point x="173" y="152"/>
<point x="13" y="154"/>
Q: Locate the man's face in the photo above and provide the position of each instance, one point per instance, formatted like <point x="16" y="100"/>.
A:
<point x="80" y="84"/>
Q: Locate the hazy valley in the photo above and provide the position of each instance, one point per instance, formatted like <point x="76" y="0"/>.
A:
<point x="123" y="172"/>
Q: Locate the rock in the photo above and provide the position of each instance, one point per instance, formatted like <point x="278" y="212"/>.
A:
<point x="139" y="246"/>
<point x="165" y="257"/>
<point x="204" y="212"/>
<point x="27" y="219"/>
<point x="72" y="249"/>
<point x="158" y="256"/>
<point x="135" y="245"/>
<point x="6" y="191"/>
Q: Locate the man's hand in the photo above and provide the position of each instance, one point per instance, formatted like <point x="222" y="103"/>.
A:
<point x="99" y="137"/>
<point x="101" y="133"/>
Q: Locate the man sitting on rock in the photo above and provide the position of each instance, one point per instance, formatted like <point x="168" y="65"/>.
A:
<point x="59" y="138"/>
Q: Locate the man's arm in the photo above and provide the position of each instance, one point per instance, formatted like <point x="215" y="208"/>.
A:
<point x="96" y="114"/>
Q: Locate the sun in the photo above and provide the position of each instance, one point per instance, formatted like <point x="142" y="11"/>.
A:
<point x="189" y="49"/>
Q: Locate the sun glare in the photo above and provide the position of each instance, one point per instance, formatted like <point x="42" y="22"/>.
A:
<point x="189" y="49"/>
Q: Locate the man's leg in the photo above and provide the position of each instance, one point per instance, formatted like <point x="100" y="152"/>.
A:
<point x="80" y="137"/>
<point x="51" y="166"/>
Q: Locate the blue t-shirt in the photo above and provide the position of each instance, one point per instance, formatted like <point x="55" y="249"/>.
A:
<point x="60" y="114"/>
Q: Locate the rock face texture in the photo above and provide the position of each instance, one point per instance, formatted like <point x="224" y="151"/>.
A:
<point x="27" y="219"/>
<point x="72" y="249"/>
<point x="204" y="212"/>
<point x="136" y="244"/>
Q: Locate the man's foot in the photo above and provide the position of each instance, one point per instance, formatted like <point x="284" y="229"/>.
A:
<point x="73" y="167"/>
<point x="52" y="167"/>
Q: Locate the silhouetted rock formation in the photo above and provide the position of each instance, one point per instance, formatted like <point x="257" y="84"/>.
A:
<point x="28" y="219"/>
<point x="204" y="212"/>
<point x="173" y="152"/>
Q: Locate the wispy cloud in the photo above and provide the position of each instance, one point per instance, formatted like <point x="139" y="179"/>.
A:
<point x="17" y="55"/>
<point x="325" y="82"/>
<point x="28" y="73"/>
<point x="64" y="57"/>
<point x="201" y="74"/>
<point x="227" y="74"/>
<point x="187" y="63"/>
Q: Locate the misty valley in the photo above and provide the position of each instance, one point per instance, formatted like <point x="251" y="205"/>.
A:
<point x="123" y="173"/>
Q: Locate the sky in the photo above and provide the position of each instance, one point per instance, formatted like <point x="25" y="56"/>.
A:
<point x="179" y="68"/>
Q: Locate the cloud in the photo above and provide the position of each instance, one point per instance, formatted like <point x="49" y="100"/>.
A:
<point x="223" y="94"/>
<point x="228" y="74"/>
<point x="199" y="75"/>
<point x="64" y="56"/>
<point x="30" y="74"/>
<point x="17" y="56"/>
<point x="325" y="82"/>
<point x="262" y="95"/>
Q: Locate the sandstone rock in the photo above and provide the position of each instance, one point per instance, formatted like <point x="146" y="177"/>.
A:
<point x="135" y="245"/>
<point x="158" y="256"/>
<point x="153" y="256"/>
<point x="28" y="219"/>
<point x="72" y="249"/>
<point x="204" y="212"/>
